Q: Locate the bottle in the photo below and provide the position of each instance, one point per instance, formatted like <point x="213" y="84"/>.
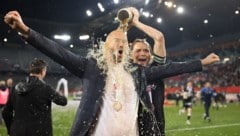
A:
<point x="124" y="15"/>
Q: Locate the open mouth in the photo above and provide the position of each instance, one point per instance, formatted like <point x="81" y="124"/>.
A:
<point x="120" y="51"/>
<point x="118" y="55"/>
<point x="142" y="60"/>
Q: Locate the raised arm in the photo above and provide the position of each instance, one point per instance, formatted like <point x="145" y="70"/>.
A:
<point x="176" y="68"/>
<point x="157" y="36"/>
<point x="74" y="63"/>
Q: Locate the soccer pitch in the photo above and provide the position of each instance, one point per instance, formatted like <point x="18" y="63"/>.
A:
<point x="225" y="121"/>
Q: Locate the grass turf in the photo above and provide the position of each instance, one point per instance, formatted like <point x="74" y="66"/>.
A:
<point x="224" y="122"/>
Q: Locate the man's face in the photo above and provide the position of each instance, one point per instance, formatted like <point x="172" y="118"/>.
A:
<point x="43" y="73"/>
<point x="9" y="82"/>
<point x="116" y="43"/>
<point x="141" y="54"/>
<point x="208" y="85"/>
<point x="189" y="84"/>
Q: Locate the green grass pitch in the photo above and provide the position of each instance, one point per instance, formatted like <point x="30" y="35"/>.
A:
<point x="224" y="122"/>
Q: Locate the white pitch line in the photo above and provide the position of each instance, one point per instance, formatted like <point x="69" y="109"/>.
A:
<point x="183" y="129"/>
<point x="174" y="130"/>
<point x="207" y="127"/>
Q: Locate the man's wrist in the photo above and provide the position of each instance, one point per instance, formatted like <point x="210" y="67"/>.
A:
<point x="159" y="59"/>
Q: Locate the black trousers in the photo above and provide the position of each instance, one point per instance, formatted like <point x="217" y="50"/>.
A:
<point x="206" y="108"/>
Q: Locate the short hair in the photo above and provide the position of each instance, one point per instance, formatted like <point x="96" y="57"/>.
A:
<point x="141" y="41"/>
<point x="37" y="65"/>
<point x="2" y="83"/>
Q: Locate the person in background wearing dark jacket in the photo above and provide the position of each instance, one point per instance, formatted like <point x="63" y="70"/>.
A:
<point x="114" y="88"/>
<point x="207" y="95"/>
<point x="28" y="110"/>
<point x="143" y="54"/>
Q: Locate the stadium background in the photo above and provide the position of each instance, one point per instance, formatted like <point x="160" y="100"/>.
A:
<point x="221" y="34"/>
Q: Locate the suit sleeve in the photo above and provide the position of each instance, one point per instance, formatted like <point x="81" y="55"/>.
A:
<point x="74" y="63"/>
<point x="172" y="69"/>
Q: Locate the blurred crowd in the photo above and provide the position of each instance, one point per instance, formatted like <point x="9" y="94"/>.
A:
<point x="222" y="74"/>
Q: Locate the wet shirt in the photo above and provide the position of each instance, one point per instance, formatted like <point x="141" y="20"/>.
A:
<point x="119" y="87"/>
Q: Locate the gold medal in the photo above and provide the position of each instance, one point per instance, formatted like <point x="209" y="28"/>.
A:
<point x="117" y="105"/>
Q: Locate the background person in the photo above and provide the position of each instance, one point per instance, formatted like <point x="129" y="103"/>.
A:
<point x="28" y="110"/>
<point x="4" y="93"/>
<point x="188" y="95"/>
<point x="207" y="95"/>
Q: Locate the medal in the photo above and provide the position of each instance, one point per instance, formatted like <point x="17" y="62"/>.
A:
<point x="117" y="105"/>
